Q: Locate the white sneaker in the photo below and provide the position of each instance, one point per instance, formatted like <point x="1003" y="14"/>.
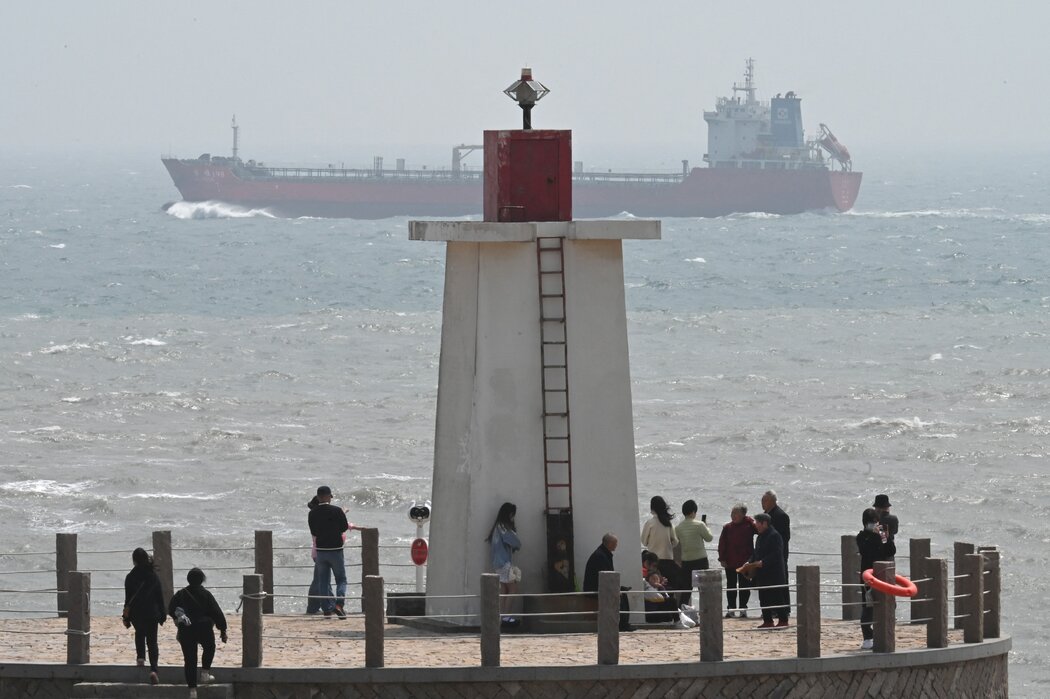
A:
<point x="193" y="693"/>
<point x="868" y="644"/>
<point x="206" y="677"/>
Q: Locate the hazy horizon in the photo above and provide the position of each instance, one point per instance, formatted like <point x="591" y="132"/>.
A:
<point x="329" y="79"/>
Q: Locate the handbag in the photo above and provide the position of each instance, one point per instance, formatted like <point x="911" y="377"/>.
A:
<point x="125" y="615"/>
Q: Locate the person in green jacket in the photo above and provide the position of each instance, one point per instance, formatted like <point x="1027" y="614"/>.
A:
<point x="692" y="533"/>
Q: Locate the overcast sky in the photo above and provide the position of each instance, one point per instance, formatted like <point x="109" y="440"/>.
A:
<point x="349" y="79"/>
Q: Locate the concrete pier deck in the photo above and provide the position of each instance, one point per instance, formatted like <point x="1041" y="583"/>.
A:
<point x="313" y="641"/>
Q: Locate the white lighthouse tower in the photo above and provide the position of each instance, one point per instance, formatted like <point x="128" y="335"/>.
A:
<point x="534" y="394"/>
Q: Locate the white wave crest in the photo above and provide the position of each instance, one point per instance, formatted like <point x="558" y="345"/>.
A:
<point x="45" y="487"/>
<point x="214" y="209"/>
<point x="18" y="186"/>
<point x="58" y="246"/>
<point x="175" y="496"/>
<point x="900" y="422"/>
<point x="59" y="349"/>
<point x="761" y="215"/>
<point x="696" y="259"/>
<point x="149" y="342"/>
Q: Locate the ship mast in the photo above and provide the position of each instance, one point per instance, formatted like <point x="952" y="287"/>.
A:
<point x="233" y="125"/>
<point x="749" y="82"/>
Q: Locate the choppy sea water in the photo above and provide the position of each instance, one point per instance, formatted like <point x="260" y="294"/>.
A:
<point x="204" y="369"/>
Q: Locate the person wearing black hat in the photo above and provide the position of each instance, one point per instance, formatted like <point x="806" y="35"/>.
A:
<point x="328" y="524"/>
<point x="889" y="522"/>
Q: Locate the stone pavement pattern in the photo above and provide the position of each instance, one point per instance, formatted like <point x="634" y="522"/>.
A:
<point x="313" y="641"/>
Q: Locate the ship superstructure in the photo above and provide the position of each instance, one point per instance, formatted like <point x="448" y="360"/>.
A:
<point x="746" y="132"/>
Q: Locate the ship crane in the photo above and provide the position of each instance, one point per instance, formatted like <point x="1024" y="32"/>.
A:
<point x="458" y="154"/>
<point x="834" y="148"/>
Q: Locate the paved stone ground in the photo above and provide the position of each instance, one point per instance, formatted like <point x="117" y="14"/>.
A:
<point x="311" y="641"/>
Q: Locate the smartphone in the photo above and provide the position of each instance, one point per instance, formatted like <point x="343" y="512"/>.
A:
<point x="703" y="517"/>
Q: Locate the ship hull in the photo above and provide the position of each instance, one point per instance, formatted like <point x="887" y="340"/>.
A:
<point x="705" y="192"/>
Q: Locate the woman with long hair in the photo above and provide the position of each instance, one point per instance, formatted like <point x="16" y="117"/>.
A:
<point x="503" y="542"/>
<point x="658" y="536"/>
<point x="144" y="609"/>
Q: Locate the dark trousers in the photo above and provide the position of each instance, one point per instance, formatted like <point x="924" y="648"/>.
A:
<point x="777" y="600"/>
<point x="661" y="612"/>
<point x="625" y="612"/>
<point x="687" y="577"/>
<point x="867" y="613"/>
<point x="737" y="584"/>
<point x="190" y="637"/>
<point x="313" y="604"/>
<point x="146" y="637"/>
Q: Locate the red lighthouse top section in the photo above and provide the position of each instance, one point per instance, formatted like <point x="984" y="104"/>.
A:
<point x="528" y="175"/>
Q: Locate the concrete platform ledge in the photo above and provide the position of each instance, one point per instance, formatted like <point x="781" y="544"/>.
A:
<point x="971" y="670"/>
<point x="491" y="232"/>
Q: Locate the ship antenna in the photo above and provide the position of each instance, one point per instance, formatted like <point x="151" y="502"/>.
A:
<point x="233" y="125"/>
<point x="749" y="82"/>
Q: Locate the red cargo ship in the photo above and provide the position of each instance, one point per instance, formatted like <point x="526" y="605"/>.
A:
<point x="758" y="160"/>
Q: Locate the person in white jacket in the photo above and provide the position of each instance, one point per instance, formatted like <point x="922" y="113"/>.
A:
<point x="658" y="536"/>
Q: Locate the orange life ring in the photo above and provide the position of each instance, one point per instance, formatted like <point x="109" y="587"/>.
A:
<point x="903" y="588"/>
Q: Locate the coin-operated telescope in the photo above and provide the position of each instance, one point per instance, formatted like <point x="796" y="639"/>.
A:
<point x="420" y="514"/>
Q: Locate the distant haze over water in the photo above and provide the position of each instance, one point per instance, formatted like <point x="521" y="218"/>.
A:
<point x="205" y="369"/>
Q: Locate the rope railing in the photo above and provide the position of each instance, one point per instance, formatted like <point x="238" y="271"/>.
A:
<point x="802" y="593"/>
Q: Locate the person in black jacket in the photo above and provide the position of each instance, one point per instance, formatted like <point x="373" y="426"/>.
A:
<point x="144" y="609"/>
<point x="767" y="568"/>
<point x="602" y="559"/>
<point x="778" y="518"/>
<point x="196" y="615"/>
<point x="328" y="526"/>
<point x="874" y="545"/>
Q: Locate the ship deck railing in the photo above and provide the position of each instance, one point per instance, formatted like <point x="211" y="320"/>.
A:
<point x="329" y="174"/>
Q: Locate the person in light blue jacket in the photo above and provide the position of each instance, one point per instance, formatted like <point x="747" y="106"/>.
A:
<point x="503" y="541"/>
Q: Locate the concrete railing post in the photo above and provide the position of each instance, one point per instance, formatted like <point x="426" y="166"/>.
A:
<point x="710" y="616"/>
<point x="608" y="617"/>
<point x="264" y="566"/>
<point x="163" y="564"/>
<point x="252" y="621"/>
<point x="490" y="620"/>
<point x="78" y="626"/>
<point x="369" y="553"/>
<point x="65" y="563"/>
<point x="851" y="596"/>
<point x="919" y="552"/>
<point x="372" y="602"/>
<point x="807" y="596"/>
<point x="959" y="566"/>
<point x="937" y="626"/>
<point x="973" y="626"/>
<point x="885" y="625"/>
<point x="993" y="590"/>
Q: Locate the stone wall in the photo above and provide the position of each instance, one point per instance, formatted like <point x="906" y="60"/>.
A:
<point x="958" y="672"/>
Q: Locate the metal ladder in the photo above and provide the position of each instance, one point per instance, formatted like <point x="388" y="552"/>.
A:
<point x="557" y="448"/>
<point x="557" y="443"/>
